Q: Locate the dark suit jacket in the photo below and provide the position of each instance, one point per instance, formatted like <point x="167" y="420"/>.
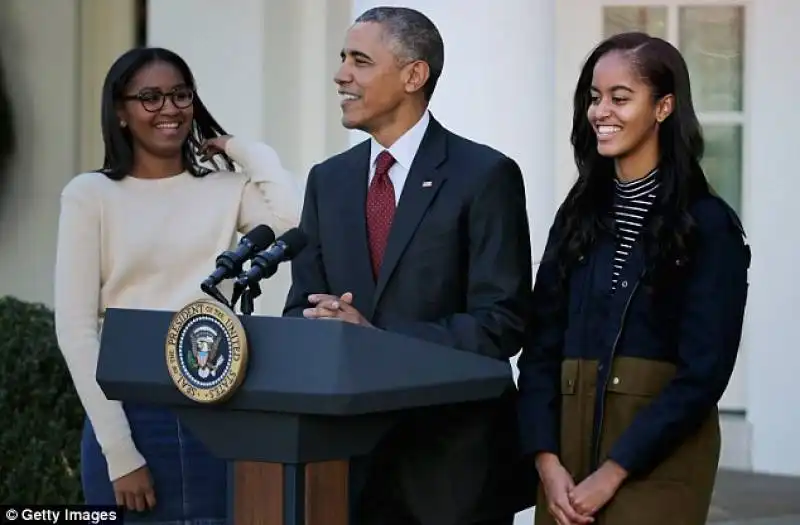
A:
<point x="457" y="272"/>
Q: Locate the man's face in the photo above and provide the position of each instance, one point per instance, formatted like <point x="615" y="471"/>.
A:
<point x="372" y="83"/>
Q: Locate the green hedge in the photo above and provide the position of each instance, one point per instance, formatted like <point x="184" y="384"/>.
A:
<point x="42" y="416"/>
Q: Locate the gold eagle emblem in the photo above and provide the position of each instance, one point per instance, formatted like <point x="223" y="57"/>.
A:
<point x="206" y="351"/>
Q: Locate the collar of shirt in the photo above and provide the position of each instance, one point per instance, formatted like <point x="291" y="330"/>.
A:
<point x="403" y="150"/>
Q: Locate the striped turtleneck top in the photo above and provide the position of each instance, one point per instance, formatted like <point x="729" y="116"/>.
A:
<point x="632" y="201"/>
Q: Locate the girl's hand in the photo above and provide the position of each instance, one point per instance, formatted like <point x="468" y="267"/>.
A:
<point x="557" y="484"/>
<point x="594" y="492"/>
<point x="135" y="490"/>
<point x="213" y="147"/>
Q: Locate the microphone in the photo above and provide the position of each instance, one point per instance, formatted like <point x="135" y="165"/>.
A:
<point x="265" y="264"/>
<point x="229" y="263"/>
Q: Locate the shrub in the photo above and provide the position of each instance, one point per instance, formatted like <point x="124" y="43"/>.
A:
<point x="42" y="415"/>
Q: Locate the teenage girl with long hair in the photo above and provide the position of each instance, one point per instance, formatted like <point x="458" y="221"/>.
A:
<point x="154" y="196"/>
<point x="638" y="305"/>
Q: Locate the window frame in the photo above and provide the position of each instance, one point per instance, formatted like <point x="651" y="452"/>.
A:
<point x="710" y="118"/>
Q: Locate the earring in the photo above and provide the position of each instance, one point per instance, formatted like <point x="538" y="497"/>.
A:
<point x="123" y="123"/>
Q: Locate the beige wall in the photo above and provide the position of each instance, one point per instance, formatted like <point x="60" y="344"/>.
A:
<point x="107" y="30"/>
<point x="55" y="59"/>
<point x="40" y="54"/>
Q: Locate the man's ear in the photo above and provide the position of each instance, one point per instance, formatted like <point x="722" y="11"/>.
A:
<point x="416" y="74"/>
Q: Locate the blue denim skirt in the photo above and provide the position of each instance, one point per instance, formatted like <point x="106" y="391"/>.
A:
<point x="190" y="484"/>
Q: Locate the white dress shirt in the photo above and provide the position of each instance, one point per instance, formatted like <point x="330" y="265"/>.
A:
<point x="403" y="150"/>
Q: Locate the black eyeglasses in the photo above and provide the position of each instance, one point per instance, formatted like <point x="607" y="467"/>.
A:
<point x="153" y="100"/>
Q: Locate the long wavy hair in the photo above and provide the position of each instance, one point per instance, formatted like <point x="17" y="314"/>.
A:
<point x="586" y="211"/>
<point x="119" y="157"/>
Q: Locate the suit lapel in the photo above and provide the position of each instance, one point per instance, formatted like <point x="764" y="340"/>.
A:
<point x="422" y="184"/>
<point x="354" y="229"/>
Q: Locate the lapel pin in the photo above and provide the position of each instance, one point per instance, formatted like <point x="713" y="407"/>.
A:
<point x="427" y="184"/>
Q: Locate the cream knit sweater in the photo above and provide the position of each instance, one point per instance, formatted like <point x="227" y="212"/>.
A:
<point x="148" y="244"/>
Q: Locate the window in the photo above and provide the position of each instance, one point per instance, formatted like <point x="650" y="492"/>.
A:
<point x="621" y="19"/>
<point x="711" y="39"/>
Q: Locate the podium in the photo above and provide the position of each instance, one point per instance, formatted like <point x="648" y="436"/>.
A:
<point x="316" y="394"/>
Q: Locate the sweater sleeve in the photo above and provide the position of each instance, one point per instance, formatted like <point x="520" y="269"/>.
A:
<point x="271" y="195"/>
<point x="77" y="303"/>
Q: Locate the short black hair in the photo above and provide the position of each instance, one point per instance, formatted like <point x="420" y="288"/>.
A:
<point x="415" y="37"/>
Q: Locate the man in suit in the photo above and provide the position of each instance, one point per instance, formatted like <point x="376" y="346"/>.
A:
<point x="422" y="232"/>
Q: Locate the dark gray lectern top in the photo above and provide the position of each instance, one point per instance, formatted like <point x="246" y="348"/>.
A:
<point x="314" y="389"/>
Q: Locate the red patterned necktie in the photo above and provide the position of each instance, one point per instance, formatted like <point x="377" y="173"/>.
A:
<point x="380" y="209"/>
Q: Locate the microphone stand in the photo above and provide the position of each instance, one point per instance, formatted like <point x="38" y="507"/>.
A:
<point x="248" y="294"/>
<point x="214" y="292"/>
<point x="250" y="291"/>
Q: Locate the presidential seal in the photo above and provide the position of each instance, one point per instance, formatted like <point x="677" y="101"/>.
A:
<point x="206" y="351"/>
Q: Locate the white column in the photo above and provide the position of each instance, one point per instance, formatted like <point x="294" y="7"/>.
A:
<point x="224" y="47"/>
<point x="497" y="86"/>
<point x="770" y="214"/>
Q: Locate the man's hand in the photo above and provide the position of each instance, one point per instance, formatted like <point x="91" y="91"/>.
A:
<point x="331" y="307"/>
<point x="594" y="492"/>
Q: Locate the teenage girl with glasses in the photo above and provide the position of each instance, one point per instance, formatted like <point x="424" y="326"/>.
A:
<point x="153" y="195"/>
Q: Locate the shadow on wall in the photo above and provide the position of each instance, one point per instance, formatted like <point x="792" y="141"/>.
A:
<point x="7" y="139"/>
